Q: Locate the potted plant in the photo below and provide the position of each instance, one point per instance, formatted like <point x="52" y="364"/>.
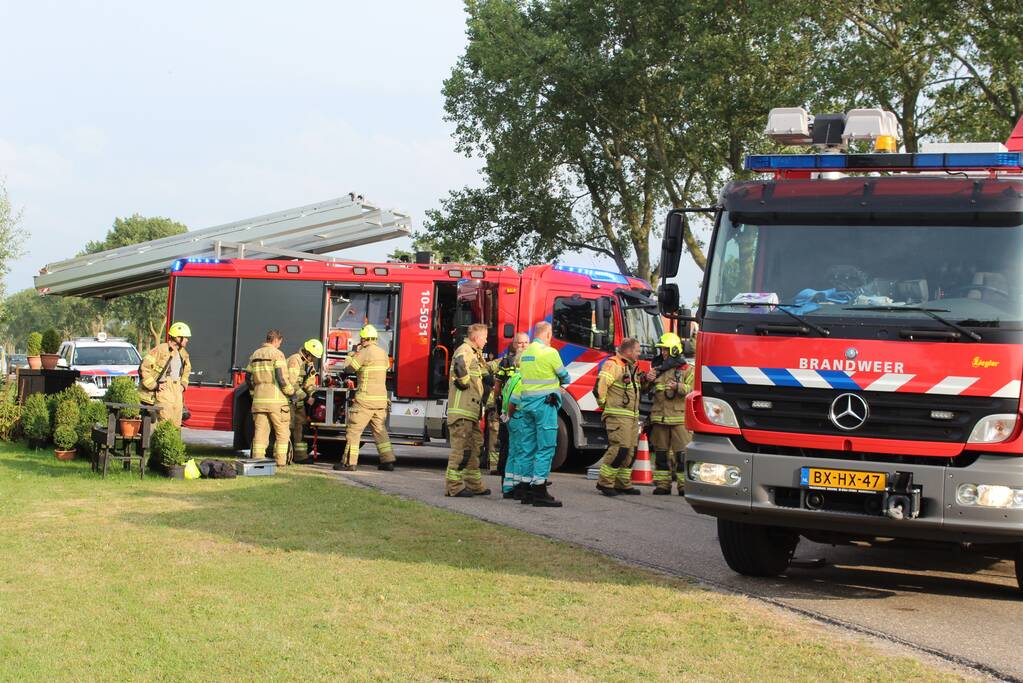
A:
<point x="36" y="420"/>
<point x="65" y="429"/>
<point x="169" y="449"/>
<point x="50" y="347"/>
<point x="33" y="347"/>
<point x="123" y="390"/>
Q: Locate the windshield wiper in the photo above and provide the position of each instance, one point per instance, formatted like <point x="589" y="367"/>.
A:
<point x="929" y="312"/>
<point x="802" y="321"/>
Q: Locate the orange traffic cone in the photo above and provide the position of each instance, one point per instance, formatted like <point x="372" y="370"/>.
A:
<point x="642" y="471"/>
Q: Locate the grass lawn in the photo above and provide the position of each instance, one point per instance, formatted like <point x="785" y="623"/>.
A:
<point x="300" y="577"/>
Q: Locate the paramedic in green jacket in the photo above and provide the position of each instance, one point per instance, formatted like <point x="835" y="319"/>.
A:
<point x="512" y="484"/>
<point x="537" y="398"/>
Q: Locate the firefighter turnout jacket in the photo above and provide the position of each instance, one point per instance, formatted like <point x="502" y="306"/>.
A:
<point x="268" y="380"/>
<point x="302" y="376"/>
<point x="465" y="386"/>
<point x="370" y="363"/>
<point x="155" y="369"/>
<point x="670" y="389"/>
<point x="618" y="388"/>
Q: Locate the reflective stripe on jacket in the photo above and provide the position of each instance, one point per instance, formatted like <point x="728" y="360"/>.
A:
<point x="618" y="388"/>
<point x="270" y="385"/>
<point x="542" y="370"/>
<point x="371" y="364"/>
<point x="154" y="368"/>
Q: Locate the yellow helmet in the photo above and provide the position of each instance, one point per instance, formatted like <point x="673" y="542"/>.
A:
<point x="180" y="330"/>
<point x="670" y="341"/>
<point x="314" y="347"/>
<point x="368" y="332"/>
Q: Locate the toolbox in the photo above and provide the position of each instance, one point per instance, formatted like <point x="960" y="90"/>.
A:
<point x="255" y="467"/>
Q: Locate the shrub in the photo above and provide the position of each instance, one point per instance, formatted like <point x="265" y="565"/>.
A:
<point x="34" y="344"/>
<point x="51" y="341"/>
<point x="36" y="419"/>
<point x="73" y="393"/>
<point x="89" y="414"/>
<point x="123" y="390"/>
<point x="168" y="448"/>
<point x="10" y="412"/>
<point x="65" y="438"/>
<point x="66" y="415"/>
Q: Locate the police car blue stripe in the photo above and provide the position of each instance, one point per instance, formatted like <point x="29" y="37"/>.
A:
<point x="838" y="379"/>
<point x="781" y="377"/>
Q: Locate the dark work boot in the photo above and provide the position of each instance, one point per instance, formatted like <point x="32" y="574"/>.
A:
<point x="662" y="492"/>
<point x="484" y="492"/>
<point x="464" y="493"/>
<point x="516" y="492"/>
<point x="630" y="491"/>
<point x="607" y="490"/>
<point x="542" y="499"/>
<point x="344" y="467"/>
<point x="386" y="466"/>
<point x="527" y="494"/>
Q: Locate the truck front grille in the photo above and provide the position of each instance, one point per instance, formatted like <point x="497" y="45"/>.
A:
<point x="892" y="415"/>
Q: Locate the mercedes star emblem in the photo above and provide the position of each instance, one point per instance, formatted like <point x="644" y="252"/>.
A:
<point x="849" y="412"/>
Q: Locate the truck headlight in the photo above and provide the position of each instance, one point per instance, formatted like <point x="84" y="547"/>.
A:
<point x="715" y="473"/>
<point x="993" y="429"/>
<point x="989" y="496"/>
<point x="719" y="412"/>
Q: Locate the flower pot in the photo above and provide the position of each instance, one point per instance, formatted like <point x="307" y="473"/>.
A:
<point x="49" y="361"/>
<point x="129" y="427"/>
<point x="176" y="471"/>
<point x="65" y="455"/>
<point x="35" y="362"/>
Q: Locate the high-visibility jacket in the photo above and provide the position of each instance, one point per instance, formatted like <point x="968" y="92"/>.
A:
<point x="511" y="386"/>
<point x="670" y="404"/>
<point x="302" y="375"/>
<point x="154" y="369"/>
<point x="618" y="388"/>
<point x="268" y="377"/>
<point x="371" y="364"/>
<point x="465" y="383"/>
<point x="542" y="371"/>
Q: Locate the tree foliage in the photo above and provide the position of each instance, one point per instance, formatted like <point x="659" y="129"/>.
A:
<point x="595" y="116"/>
<point x="12" y="235"/>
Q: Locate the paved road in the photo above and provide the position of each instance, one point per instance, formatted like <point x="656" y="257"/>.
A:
<point x="964" y="607"/>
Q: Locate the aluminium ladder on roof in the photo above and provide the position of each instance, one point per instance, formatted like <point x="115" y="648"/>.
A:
<point x="319" y="228"/>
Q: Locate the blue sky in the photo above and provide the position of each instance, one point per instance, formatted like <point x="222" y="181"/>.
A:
<point x="212" y="112"/>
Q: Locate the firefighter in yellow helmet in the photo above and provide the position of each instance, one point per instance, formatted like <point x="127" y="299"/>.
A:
<point x="302" y="375"/>
<point x="163" y="375"/>
<point x="267" y="378"/>
<point x="669" y="380"/>
<point x="370" y="405"/>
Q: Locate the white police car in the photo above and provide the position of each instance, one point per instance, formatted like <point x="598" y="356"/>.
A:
<point x="100" y="359"/>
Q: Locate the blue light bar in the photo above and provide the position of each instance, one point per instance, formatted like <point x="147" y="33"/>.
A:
<point x="595" y="275"/>
<point x="180" y="263"/>
<point x="952" y="161"/>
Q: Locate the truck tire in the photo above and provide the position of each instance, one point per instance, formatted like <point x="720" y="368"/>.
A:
<point x="563" y="447"/>
<point x="755" y="550"/>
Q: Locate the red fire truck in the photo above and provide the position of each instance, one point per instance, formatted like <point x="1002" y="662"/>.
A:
<point x="421" y="311"/>
<point x="860" y="352"/>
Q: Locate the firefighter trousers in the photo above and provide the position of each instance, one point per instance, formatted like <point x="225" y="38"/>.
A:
<point x="170" y="402"/>
<point x="539" y="438"/>
<point x="299" y="448"/>
<point x="515" y="460"/>
<point x="376" y="418"/>
<point x="280" y="422"/>
<point x="464" y="461"/>
<point x="668" y="442"/>
<point x="622" y="439"/>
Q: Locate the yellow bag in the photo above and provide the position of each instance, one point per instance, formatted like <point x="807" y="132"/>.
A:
<point x="192" y="470"/>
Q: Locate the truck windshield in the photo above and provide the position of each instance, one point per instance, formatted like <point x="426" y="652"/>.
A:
<point x="971" y="274"/>
<point x="106" y="355"/>
<point x="642" y="321"/>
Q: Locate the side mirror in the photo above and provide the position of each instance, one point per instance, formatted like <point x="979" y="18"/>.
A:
<point x="599" y="340"/>
<point x="62" y="363"/>
<point x="671" y="244"/>
<point x="668" y="299"/>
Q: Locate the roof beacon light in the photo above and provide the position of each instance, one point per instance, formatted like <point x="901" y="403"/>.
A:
<point x="951" y="161"/>
<point x="789" y="125"/>
<point x="595" y="275"/>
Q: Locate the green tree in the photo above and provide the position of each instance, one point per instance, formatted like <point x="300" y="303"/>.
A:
<point x="142" y="313"/>
<point x="12" y="236"/>
<point x="595" y="116"/>
<point x="445" y="249"/>
<point x="26" y="311"/>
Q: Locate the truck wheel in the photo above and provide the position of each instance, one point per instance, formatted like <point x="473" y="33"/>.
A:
<point x="755" y="550"/>
<point x="561" y="450"/>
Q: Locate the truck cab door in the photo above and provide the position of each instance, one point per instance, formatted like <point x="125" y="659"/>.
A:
<point x="477" y="304"/>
